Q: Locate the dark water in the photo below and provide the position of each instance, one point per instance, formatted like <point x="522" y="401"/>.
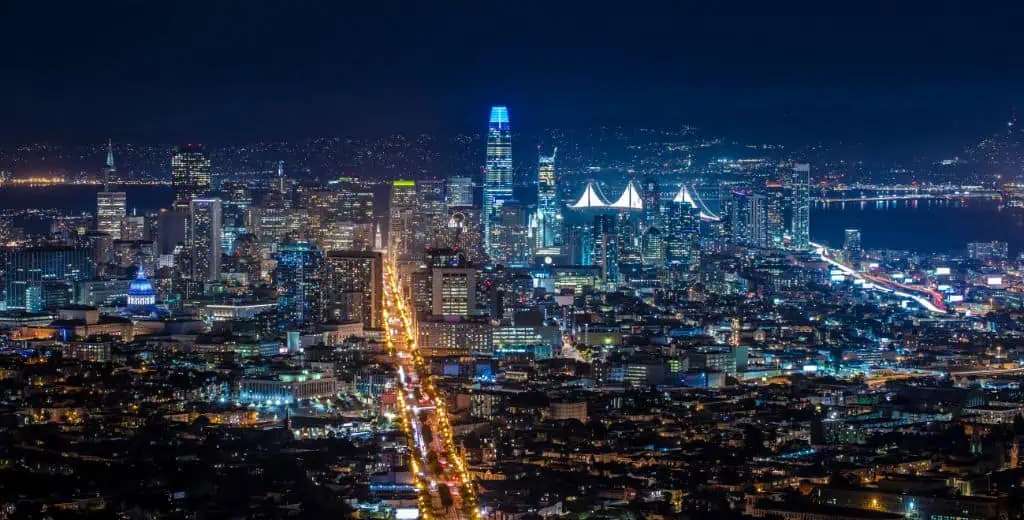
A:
<point x="927" y="226"/>
<point x="82" y="197"/>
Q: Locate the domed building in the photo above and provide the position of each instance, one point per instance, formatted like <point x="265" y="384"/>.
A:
<point x="141" y="297"/>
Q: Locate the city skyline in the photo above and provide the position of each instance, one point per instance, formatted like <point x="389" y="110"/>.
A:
<point x="663" y="261"/>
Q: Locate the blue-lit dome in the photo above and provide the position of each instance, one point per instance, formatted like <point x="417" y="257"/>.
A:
<point x="140" y="291"/>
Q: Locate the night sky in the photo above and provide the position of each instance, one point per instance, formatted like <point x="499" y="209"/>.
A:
<point x="924" y="71"/>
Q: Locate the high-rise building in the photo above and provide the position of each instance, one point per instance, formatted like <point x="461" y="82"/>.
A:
<point x="454" y="291"/>
<point x="298" y="276"/>
<point x="606" y="247"/>
<point x="800" y="201"/>
<point x="354" y="287"/>
<point x="111" y="208"/>
<point x="33" y="265"/>
<point x="463" y="232"/>
<point x="497" y="176"/>
<point x="355" y="204"/>
<point x="652" y="202"/>
<point x="775" y="193"/>
<point x="748" y="218"/>
<point x="402" y="222"/>
<point x="460" y="191"/>
<point x="682" y="236"/>
<point x="190" y="174"/>
<point x="110" y="170"/>
<point x="995" y="250"/>
<point x="549" y="211"/>
<point x="204" y="239"/>
<point x="852" y="246"/>
<point x="432" y="212"/>
<point x="653" y="248"/>
<point x="512" y="245"/>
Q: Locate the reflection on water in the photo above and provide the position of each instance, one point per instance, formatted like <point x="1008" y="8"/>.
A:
<point x="920" y="225"/>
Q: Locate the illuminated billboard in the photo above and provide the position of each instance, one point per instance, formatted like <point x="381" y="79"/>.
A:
<point x="995" y="280"/>
<point x="942" y="271"/>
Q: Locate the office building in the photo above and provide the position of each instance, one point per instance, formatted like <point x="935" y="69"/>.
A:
<point x="994" y="250"/>
<point x="775" y="206"/>
<point x="651" y="198"/>
<point x="549" y="211"/>
<point x="432" y="212"/>
<point x="111" y="208"/>
<point x="31" y="265"/>
<point x="682" y="236"/>
<point x="852" y="247"/>
<point x="204" y="239"/>
<point x="354" y="287"/>
<point x="800" y="202"/>
<point x="402" y="219"/>
<point x="747" y="214"/>
<point x="455" y="335"/>
<point x="497" y="176"/>
<point x="190" y="174"/>
<point x="513" y="244"/>
<point x="453" y="291"/>
<point x="355" y="204"/>
<point x="605" y="252"/>
<point x="653" y="249"/>
<point x="298" y="277"/>
<point x="460" y="191"/>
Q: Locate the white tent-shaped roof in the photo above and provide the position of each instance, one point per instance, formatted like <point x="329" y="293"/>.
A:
<point x="591" y="198"/>
<point x="684" y="196"/>
<point x="630" y="198"/>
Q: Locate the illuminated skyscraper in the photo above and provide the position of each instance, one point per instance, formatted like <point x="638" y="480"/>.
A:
<point x="549" y="212"/>
<point x="402" y="223"/>
<point x="354" y="283"/>
<point x="497" y="176"/>
<point x="432" y="212"/>
<point x="204" y="239"/>
<point x="800" y="188"/>
<point x="682" y="239"/>
<point x="606" y="247"/>
<point x="460" y="191"/>
<point x="775" y="193"/>
<point x="298" y="276"/>
<point x="111" y="208"/>
<point x="852" y="247"/>
<point x="190" y="174"/>
<point x="108" y="172"/>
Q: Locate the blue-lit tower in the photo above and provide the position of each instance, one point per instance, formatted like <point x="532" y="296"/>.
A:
<point x="497" y="176"/>
<point x="298" y="279"/>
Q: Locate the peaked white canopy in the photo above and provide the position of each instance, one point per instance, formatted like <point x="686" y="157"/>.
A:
<point x="630" y="198"/>
<point x="591" y="198"/>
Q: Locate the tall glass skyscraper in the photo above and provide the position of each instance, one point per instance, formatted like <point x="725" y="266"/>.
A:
<point x="190" y="174"/>
<point x="111" y="206"/>
<point x="402" y="223"/>
<point x="497" y="175"/>
<point x="204" y="239"/>
<point x="548" y="211"/>
<point x="800" y="188"/>
<point x="299" y="276"/>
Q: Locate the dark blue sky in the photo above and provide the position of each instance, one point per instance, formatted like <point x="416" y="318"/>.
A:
<point x="920" y="71"/>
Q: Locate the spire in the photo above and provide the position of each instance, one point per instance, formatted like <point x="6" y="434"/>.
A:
<point x="630" y="198"/>
<point x="110" y="154"/>
<point x="140" y="274"/>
